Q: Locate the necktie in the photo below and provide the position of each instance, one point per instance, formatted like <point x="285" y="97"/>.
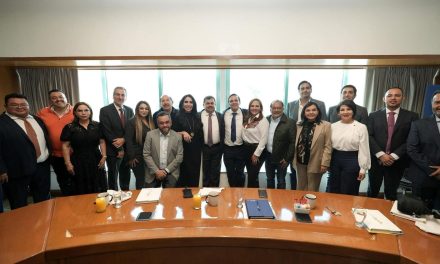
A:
<point x="390" y="131"/>
<point x="233" y="128"/>
<point x="210" y="130"/>
<point x="122" y="116"/>
<point x="32" y="136"/>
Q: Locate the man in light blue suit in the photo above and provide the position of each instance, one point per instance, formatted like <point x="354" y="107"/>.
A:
<point x="294" y="109"/>
<point x="163" y="154"/>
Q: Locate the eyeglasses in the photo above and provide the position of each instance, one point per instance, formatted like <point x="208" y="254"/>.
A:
<point x="18" y="105"/>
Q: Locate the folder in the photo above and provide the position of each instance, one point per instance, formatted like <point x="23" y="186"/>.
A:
<point x="149" y="195"/>
<point x="259" y="209"/>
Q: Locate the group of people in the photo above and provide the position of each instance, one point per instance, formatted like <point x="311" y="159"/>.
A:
<point x="174" y="147"/>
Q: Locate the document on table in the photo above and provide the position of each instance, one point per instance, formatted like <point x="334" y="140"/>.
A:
<point x="376" y="222"/>
<point x="149" y="195"/>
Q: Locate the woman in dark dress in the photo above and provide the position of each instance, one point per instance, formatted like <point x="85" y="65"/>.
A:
<point x="189" y="125"/>
<point x="84" y="151"/>
<point x="135" y="133"/>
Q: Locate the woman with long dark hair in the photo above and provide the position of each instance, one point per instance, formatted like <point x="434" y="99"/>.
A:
<point x="135" y="133"/>
<point x="84" y="151"/>
<point x="313" y="148"/>
<point x="254" y="133"/>
<point x="189" y="126"/>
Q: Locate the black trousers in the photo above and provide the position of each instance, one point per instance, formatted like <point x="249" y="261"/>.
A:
<point x="212" y="157"/>
<point x="391" y="177"/>
<point x="38" y="184"/>
<point x="139" y="173"/>
<point x="343" y="173"/>
<point x="64" y="178"/>
<point x="429" y="191"/>
<point x="253" y="170"/>
<point x="117" y="166"/>
<point x="234" y="159"/>
<point x="293" y="180"/>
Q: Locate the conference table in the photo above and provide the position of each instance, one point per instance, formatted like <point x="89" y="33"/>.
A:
<point x="69" y="230"/>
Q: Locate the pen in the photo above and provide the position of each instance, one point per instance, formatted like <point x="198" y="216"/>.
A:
<point x="258" y="206"/>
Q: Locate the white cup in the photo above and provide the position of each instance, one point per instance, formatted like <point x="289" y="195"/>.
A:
<point x="212" y="199"/>
<point x="107" y="196"/>
<point x="311" y="200"/>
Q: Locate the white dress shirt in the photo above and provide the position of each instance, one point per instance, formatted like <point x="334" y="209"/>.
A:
<point x="239" y="127"/>
<point x="163" y="150"/>
<point x="352" y="137"/>
<point x="257" y="134"/>
<point x="272" y="127"/>
<point x="215" y="127"/>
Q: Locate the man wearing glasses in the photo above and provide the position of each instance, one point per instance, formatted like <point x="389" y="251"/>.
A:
<point x="24" y="153"/>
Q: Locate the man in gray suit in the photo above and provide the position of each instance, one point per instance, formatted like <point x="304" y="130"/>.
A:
<point x="348" y="92"/>
<point x="163" y="153"/>
<point x="294" y="110"/>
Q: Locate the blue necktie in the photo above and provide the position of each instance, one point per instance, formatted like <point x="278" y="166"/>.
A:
<point x="233" y="128"/>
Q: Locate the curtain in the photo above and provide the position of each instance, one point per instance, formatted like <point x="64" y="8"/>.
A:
<point x="36" y="83"/>
<point x="412" y="80"/>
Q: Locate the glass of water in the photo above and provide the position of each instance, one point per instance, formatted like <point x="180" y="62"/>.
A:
<point x="118" y="199"/>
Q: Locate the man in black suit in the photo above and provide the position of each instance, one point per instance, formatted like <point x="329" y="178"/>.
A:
<point x="234" y="151"/>
<point x="348" y="92"/>
<point x="388" y="129"/>
<point x="24" y="153"/>
<point x="213" y="134"/>
<point x="113" y="118"/>
<point x="424" y="149"/>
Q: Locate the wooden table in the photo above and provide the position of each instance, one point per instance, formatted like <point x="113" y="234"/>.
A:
<point x="78" y="234"/>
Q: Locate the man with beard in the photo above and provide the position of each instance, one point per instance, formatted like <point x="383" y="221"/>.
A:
<point x="166" y="105"/>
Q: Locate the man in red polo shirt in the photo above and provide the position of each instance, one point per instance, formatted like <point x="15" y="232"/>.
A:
<point x="55" y="117"/>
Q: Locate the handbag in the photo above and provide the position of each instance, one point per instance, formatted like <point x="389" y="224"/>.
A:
<point x="412" y="205"/>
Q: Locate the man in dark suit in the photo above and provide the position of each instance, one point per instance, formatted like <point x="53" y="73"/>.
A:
<point x="424" y="149"/>
<point x="163" y="154"/>
<point x="280" y="145"/>
<point x="348" y="92"/>
<point x="294" y="110"/>
<point x="234" y="152"/>
<point x="214" y="135"/>
<point x="24" y="153"/>
<point x="113" y="118"/>
<point x="388" y="130"/>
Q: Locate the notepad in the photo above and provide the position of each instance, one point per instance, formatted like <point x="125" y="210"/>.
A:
<point x="149" y="195"/>
<point x="376" y="222"/>
<point x="259" y="209"/>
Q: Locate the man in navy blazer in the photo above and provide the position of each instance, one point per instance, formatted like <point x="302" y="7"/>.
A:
<point x="424" y="149"/>
<point x="388" y="164"/>
<point x="113" y="118"/>
<point x="24" y="160"/>
<point x="212" y="148"/>
<point x="348" y="92"/>
<point x="294" y="109"/>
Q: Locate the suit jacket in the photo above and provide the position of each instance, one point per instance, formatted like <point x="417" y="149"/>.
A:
<point x="283" y="144"/>
<point x="133" y="148"/>
<point x="378" y="134"/>
<point x="293" y="107"/>
<point x="111" y="126"/>
<point x="173" y="115"/>
<point x="424" y="149"/>
<point x="221" y="125"/>
<point x="361" y="114"/>
<point x="17" y="153"/>
<point x="321" y="148"/>
<point x="152" y="153"/>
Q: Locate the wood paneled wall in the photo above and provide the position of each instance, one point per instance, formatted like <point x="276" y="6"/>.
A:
<point x="8" y="83"/>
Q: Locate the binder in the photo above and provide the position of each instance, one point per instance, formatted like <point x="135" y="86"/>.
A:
<point x="259" y="209"/>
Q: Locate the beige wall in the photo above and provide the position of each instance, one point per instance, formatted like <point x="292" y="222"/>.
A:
<point x="8" y="84"/>
<point x="60" y="28"/>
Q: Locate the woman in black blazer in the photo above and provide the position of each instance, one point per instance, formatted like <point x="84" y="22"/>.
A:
<point x="135" y="133"/>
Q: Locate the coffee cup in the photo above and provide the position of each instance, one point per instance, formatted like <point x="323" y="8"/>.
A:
<point x="311" y="200"/>
<point x="212" y="199"/>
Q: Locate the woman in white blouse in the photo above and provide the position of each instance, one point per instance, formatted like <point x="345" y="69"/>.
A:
<point x="351" y="152"/>
<point x="254" y="133"/>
